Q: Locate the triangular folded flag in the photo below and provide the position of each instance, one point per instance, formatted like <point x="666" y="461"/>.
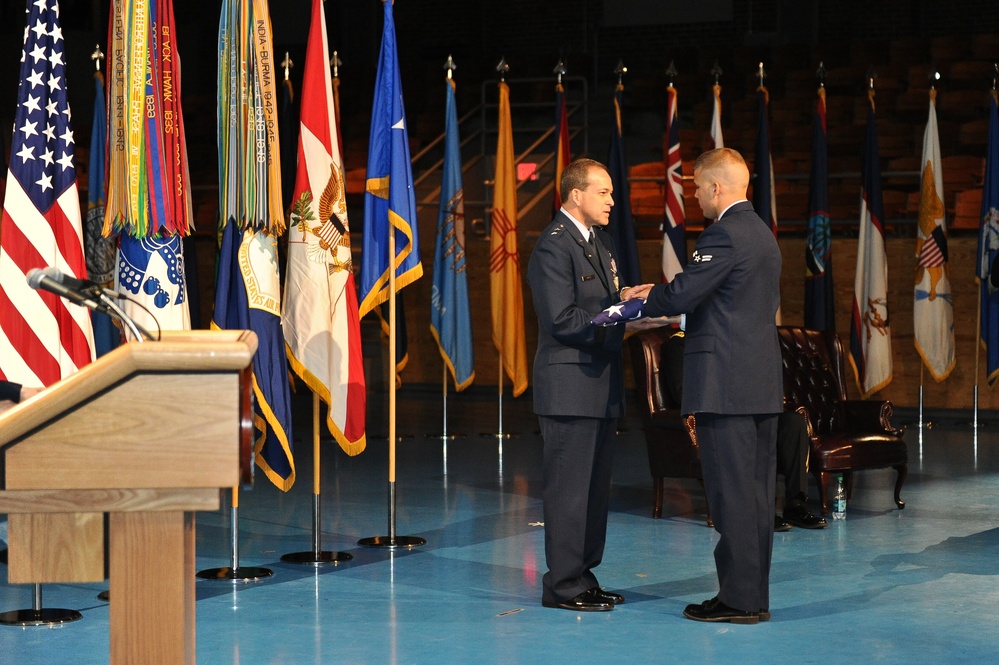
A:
<point x="626" y="310"/>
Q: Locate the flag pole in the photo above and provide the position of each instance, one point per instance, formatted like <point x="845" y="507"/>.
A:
<point x="392" y="541"/>
<point x="499" y="385"/>
<point x="978" y="352"/>
<point x="922" y="370"/>
<point x="317" y="555"/>
<point x="235" y="572"/>
<point x="397" y="181"/>
<point x="391" y="382"/>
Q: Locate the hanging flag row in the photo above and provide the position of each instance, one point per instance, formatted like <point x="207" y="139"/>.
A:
<point x="250" y="220"/>
<point x="148" y="202"/>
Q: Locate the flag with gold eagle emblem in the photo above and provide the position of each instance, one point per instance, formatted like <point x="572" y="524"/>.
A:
<point x="320" y="316"/>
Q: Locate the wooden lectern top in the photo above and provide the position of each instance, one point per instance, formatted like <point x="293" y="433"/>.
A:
<point x="171" y="413"/>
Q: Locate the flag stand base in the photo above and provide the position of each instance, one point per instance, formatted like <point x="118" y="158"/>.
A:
<point x="317" y="556"/>
<point x="43" y="617"/>
<point x="399" y="542"/>
<point x="239" y="574"/>
<point x="235" y="572"/>
<point x="392" y="541"/>
<point x="38" y="615"/>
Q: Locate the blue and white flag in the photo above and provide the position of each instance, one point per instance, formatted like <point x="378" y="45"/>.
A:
<point x="450" y="316"/>
<point x="389" y="198"/>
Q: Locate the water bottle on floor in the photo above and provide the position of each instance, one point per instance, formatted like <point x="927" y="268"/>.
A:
<point x="839" y="500"/>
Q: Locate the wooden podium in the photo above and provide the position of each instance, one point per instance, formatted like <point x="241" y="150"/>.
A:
<point x="146" y="435"/>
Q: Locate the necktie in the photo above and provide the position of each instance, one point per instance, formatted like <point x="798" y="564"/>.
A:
<point x="589" y="239"/>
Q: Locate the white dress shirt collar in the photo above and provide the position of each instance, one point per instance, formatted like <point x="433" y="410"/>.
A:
<point x="585" y="232"/>
<point x="729" y="206"/>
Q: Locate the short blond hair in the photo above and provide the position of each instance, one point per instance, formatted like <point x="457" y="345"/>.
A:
<point x="718" y="158"/>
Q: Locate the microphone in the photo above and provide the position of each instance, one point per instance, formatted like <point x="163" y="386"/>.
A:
<point x="51" y="280"/>
<point x="82" y="285"/>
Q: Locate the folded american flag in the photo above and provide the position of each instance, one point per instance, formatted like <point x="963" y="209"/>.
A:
<point x="626" y="310"/>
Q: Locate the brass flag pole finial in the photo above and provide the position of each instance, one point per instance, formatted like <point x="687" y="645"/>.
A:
<point x="620" y="70"/>
<point x="716" y="71"/>
<point x="995" y="74"/>
<point x="335" y="63"/>
<point x="822" y="73"/>
<point x="871" y="75"/>
<point x="503" y="68"/>
<point x="97" y="56"/>
<point x="671" y="72"/>
<point x="559" y="71"/>
<point x="934" y="76"/>
<point x="287" y="64"/>
<point x="761" y="74"/>
<point x="450" y="66"/>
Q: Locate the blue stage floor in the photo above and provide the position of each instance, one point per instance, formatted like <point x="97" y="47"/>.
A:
<point x="919" y="585"/>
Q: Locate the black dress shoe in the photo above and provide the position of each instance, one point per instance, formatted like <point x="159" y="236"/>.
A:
<point x="607" y="596"/>
<point x="714" y="610"/>
<point x="780" y="524"/>
<point x="584" y="602"/>
<point x="798" y="514"/>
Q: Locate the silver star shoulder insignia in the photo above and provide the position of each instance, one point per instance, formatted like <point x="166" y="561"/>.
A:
<point x="701" y="258"/>
<point x="535" y="524"/>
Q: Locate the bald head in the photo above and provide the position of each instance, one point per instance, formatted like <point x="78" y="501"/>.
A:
<point x="722" y="179"/>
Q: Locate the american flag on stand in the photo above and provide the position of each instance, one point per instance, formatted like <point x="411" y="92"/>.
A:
<point x="42" y="337"/>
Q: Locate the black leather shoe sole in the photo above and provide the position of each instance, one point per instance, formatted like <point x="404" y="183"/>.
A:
<point x="607" y="596"/>
<point x="801" y="517"/>
<point x="714" y="611"/>
<point x="579" y="607"/>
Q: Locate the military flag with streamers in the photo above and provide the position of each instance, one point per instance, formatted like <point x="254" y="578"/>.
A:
<point x="764" y="196"/>
<point x="988" y="249"/>
<point x="716" y="128"/>
<point x="99" y="249"/>
<point x="43" y="338"/>
<point x="251" y="218"/>
<point x="320" y="314"/>
<point x="933" y="308"/>
<point x="563" y="153"/>
<point x="149" y="191"/>
<point x="450" y="315"/>
<point x="820" y="301"/>
<point x="506" y="290"/>
<point x="389" y="198"/>
<point x="674" y="224"/>
<point x="621" y="226"/>
<point x="870" y="334"/>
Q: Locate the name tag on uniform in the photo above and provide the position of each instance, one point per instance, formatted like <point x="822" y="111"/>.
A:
<point x="586" y="278"/>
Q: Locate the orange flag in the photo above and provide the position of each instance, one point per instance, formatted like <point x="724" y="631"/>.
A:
<point x="504" y="258"/>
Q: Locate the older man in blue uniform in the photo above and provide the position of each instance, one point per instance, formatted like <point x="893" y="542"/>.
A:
<point x="578" y="385"/>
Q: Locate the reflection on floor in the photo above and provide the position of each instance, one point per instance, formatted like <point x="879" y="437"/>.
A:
<point x="919" y="585"/>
